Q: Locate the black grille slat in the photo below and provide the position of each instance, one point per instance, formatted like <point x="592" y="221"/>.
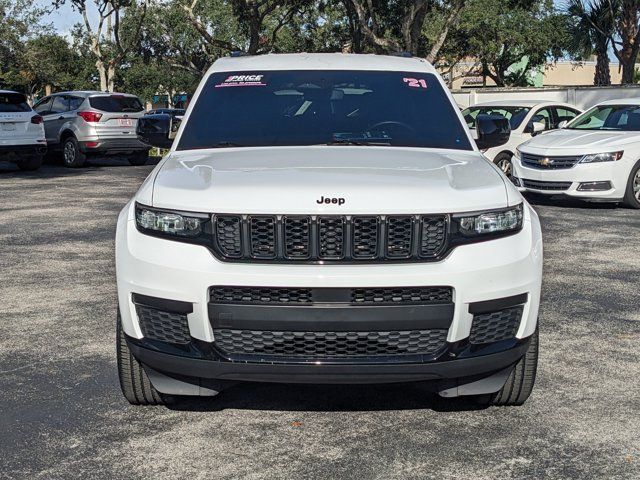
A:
<point x="163" y="326"/>
<point x="263" y="236"/>
<point x="229" y="235"/>
<point x="433" y="236"/>
<point x="495" y="326"/>
<point x="297" y="231"/>
<point x="548" y="163"/>
<point x="330" y="238"/>
<point x="399" y="237"/>
<point x="365" y="237"/>
<point x="329" y="345"/>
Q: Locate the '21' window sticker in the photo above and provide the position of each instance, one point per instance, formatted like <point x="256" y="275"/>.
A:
<point x="415" y="82"/>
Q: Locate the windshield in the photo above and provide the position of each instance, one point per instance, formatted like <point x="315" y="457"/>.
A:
<point x="515" y="115"/>
<point x="13" y="102"/>
<point x="609" y="117"/>
<point x="276" y="108"/>
<point x="116" y="103"/>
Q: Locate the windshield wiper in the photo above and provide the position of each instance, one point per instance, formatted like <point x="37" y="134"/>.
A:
<point x="226" y="144"/>
<point x="350" y="141"/>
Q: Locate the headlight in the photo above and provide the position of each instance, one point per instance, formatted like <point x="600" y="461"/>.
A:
<point x="602" y="157"/>
<point x="186" y="226"/>
<point x="495" y="222"/>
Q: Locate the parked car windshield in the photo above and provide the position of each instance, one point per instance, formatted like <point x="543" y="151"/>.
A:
<point x="609" y="117"/>
<point x="116" y="103"/>
<point x="515" y="115"/>
<point x="13" y="102"/>
<point x="276" y="108"/>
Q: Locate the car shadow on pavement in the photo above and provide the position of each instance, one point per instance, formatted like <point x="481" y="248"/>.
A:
<point x="53" y="168"/>
<point x="324" y="398"/>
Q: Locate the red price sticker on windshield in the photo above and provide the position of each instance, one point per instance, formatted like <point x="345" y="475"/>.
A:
<point x="415" y="82"/>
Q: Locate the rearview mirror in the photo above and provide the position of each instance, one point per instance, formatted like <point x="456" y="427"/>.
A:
<point x="563" y="123"/>
<point x="157" y="130"/>
<point x="492" y="131"/>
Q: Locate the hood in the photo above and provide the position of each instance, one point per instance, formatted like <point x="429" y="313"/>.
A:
<point x="580" y="141"/>
<point x="298" y="180"/>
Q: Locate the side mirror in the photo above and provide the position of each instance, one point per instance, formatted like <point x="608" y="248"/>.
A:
<point x="157" y="130"/>
<point x="492" y="131"/>
<point x="563" y="123"/>
<point x="535" y="128"/>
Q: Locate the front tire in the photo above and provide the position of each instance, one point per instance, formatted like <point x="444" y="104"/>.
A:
<point x="72" y="157"/>
<point x="30" y="163"/>
<point x="139" y="158"/>
<point x="632" y="195"/>
<point x="503" y="161"/>
<point x="519" y="385"/>
<point x="134" y="381"/>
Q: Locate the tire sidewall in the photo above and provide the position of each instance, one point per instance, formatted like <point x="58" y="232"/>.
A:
<point x="629" y="198"/>
<point x="78" y="157"/>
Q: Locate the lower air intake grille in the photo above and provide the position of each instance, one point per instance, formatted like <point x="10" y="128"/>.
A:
<point x="163" y="326"/>
<point x="495" y="326"/>
<point x="538" y="185"/>
<point x="356" y="296"/>
<point x="328" y="345"/>
<point x="241" y="295"/>
<point x="424" y="295"/>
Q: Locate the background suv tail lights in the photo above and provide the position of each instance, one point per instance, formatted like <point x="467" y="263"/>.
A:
<point x="90" y="116"/>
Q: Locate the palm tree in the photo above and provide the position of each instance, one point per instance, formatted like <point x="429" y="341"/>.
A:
<point x="592" y="26"/>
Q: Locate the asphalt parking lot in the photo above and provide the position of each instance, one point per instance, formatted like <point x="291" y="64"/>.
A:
<point x="62" y="414"/>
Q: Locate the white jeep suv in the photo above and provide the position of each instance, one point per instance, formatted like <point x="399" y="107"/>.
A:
<point x="327" y="218"/>
<point x="22" y="139"/>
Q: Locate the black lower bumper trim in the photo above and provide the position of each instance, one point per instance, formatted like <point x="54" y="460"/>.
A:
<point x="327" y="373"/>
<point x="21" y="150"/>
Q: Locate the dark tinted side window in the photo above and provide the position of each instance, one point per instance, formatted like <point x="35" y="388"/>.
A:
<point x="13" y="102"/>
<point x="43" y="106"/>
<point x="60" y="105"/>
<point x="75" y="102"/>
<point x="116" y="103"/>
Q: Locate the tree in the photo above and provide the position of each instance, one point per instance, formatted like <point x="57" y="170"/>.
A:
<point x="109" y="39"/>
<point x="625" y="42"/>
<point x="591" y="30"/>
<point x="397" y="26"/>
<point x="509" y="39"/>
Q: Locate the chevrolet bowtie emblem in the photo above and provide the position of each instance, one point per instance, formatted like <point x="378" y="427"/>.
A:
<point x="545" y="162"/>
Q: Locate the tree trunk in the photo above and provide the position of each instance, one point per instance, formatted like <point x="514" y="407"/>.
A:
<point x="628" y="32"/>
<point x="111" y="77"/>
<point x="602" y="76"/>
<point x="102" y="72"/>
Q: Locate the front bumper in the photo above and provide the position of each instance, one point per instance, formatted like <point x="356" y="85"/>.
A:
<point x="477" y="273"/>
<point x="568" y="181"/>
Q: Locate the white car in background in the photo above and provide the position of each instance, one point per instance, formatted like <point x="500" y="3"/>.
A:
<point x="595" y="157"/>
<point x="526" y="117"/>
<point x="22" y="139"/>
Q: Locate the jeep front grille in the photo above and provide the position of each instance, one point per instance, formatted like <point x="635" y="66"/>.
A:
<point x="310" y="238"/>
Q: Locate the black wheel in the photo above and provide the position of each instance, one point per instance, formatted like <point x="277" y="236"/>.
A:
<point x="134" y="381"/>
<point x="632" y="195"/>
<point x="72" y="157"/>
<point x="503" y="161"/>
<point x="520" y="383"/>
<point x="139" y="158"/>
<point x="30" y="163"/>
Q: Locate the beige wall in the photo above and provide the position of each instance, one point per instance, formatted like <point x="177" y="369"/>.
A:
<point x="568" y="73"/>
